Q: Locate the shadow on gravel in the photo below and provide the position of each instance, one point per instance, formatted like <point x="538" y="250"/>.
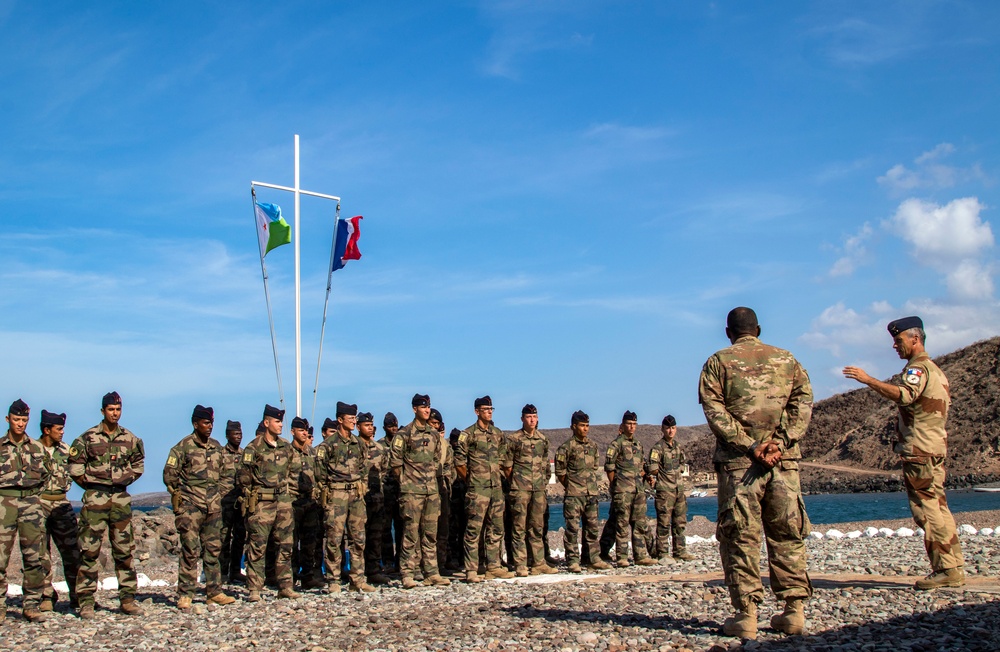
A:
<point x="690" y="626"/>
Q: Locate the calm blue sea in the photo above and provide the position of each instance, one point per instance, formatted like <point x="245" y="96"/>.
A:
<point x="828" y="508"/>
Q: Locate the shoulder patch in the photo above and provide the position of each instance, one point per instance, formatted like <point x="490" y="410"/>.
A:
<point x="913" y="375"/>
<point x="74" y="451"/>
<point x="172" y="461"/>
<point x="654" y="455"/>
<point x="397" y="443"/>
<point x="247" y="457"/>
<point x="462" y="437"/>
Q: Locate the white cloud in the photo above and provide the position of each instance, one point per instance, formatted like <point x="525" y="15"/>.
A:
<point x="970" y="280"/>
<point x="854" y="252"/>
<point x="929" y="173"/>
<point x="944" y="149"/>
<point x="942" y="234"/>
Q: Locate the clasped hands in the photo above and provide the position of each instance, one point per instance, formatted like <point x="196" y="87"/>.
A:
<point x="767" y="453"/>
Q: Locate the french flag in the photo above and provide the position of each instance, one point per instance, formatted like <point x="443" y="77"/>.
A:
<point x="346" y="248"/>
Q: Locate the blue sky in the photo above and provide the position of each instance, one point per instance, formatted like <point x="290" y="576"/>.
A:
<point x="562" y="200"/>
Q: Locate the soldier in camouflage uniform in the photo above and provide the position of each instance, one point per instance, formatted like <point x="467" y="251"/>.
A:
<point x="481" y="447"/>
<point x="392" y="535"/>
<point x="307" y="513"/>
<point x="378" y="460"/>
<point x="458" y="521"/>
<point x="922" y="394"/>
<point x="342" y="471"/>
<point x="60" y="518"/>
<point x="445" y="482"/>
<point x="527" y="466"/>
<point x="577" y="469"/>
<point x="191" y="475"/>
<point x="263" y="478"/>
<point x="24" y="472"/>
<point x="416" y="461"/>
<point x="666" y="461"/>
<point x="233" y="533"/>
<point x="624" y="464"/>
<point x="105" y="460"/>
<point x="758" y="402"/>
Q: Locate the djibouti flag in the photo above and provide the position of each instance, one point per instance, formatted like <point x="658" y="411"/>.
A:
<point x="272" y="229"/>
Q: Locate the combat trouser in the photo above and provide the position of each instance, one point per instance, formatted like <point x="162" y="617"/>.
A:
<point x="346" y="514"/>
<point x="233" y="534"/>
<point x="444" y="524"/>
<point x="484" y="510"/>
<point x="61" y="529"/>
<point x="771" y="502"/>
<point x="456" y="528"/>
<point x="199" y="528"/>
<point x="106" y="512"/>
<point x="271" y="521"/>
<point x="630" y="515"/>
<point x="22" y="518"/>
<point x="575" y="510"/>
<point x="392" y="537"/>
<point x="308" y="517"/>
<point x="528" y="510"/>
<point x="924" y="479"/>
<point x="374" y="531"/>
<point x="671" y="520"/>
<point x="421" y="513"/>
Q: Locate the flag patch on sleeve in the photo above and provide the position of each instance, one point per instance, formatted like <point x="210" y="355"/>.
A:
<point x="913" y="376"/>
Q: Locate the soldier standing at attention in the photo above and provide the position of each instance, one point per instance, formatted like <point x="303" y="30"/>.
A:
<point x="458" y="521"/>
<point x="577" y="469"/>
<point x="263" y="477"/>
<point x="105" y="460"/>
<point x="624" y="464"/>
<point x="233" y="533"/>
<point x="392" y="537"/>
<point x="666" y="460"/>
<point x="415" y="459"/>
<point x="307" y="513"/>
<point x="24" y="471"/>
<point x="60" y="519"/>
<point x="758" y="402"/>
<point x="191" y="475"/>
<point x="445" y="481"/>
<point x="342" y="469"/>
<point x="527" y="466"/>
<point x="922" y="396"/>
<point x="378" y="462"/>
<point x="481" y="447"/>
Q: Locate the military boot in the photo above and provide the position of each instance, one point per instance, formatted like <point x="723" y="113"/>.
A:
<point x="793" y="619"/>
<point x="288" y="593"/>
<point x="221" y="599"/>
<point x="667" y="560"/>
<point x="33" y="615"/>
<point x="600" y="564"/>
<point x="472" y="577"/>
<point x="574" y="567"/>
<point x="184" y="603"/>
<point x="743" y="623"/>
<point x="521" y="571"/>
<point x="543" y="569"/>
<point x="437" y="580"/>
<point x="646" y="561"/>
<point x="684" y="555"/>
<point x="410" y="583"/>
<point x="941" y="578"/>
<point x="361" y="586"/>
<point x="87" y="611"/>
<point x="378" y="578"/>
<point x="48" y="603"/>
<point x="622" y="563"/>
<point x="254" y="596"/>
<point x="313" y="583"/>
<point x="498" y="573"/>
<point x="130" y="607"/>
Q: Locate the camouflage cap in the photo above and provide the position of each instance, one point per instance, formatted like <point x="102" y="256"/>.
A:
<point x="202" y="412"/>
<point x="111" y="398"/>
<point x="906" y="323"/>
<point x="53" y="419"/>
<point x="18" y="409"/>
<point x="580" y="417"/>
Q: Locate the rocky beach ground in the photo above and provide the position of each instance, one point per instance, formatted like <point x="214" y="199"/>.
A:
<point x="863" y="601"/>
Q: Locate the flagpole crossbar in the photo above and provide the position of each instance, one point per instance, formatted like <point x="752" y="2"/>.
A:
<point x="287" y="189"/>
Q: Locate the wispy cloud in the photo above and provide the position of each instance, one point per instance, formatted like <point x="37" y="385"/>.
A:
<point x="854" y="252"/>
<point x="930" y="173"/>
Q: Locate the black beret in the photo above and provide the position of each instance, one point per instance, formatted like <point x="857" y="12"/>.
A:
<point x="390" y="419"/>
<point x="18" y="408"/>
<point x="202" y="412"/>
<point x="529" y="409"/>
<point x="485" y="401"/>
<point x="435" y="414"/>
<point x="299" y="422"/>
<point x="420" y="400"/>
<point x="629" y="416"/>
<point x="580" y="417"/>
<point x="349" y="409"/>
<point x="111" y="398"/>
<point x="261" y="429"/>
<point x="310" y="430"/>
<point x="904" y="324"/>
<point x="669" y="420"/>
<point x="330" y="424"/>
<point x="366" y="417"/>
<point x="273" y="412"/>
<point x="233" y="426"/>
<point x="53" y="419"/>
<point x="454" y="434"/>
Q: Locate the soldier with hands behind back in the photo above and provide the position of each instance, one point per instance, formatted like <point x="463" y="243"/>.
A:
<point x="61" y="526"/>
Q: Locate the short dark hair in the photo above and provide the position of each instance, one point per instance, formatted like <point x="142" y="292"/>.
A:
<point x="742" y="321"/>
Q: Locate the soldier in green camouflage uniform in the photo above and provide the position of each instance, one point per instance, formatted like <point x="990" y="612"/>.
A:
<point x="445" y="482"/>
<point x="459" y="520"/>
<point x="527" y="466"/>
<point x="307" y="513"/>
<point x="378" y="461"/>
<point x="342" y="471"/>
<point x="416" y="461"/>
<point x="577" y="469"/>
<point x="105" y="460"/>
<point x="191" y="475"/>
<point x="263" y="478"/>
<point x="392" y="534"/>
<point x="233" y="533"/>
<point x="758" y="402"/>
<point x="24" y="471"/>
<point x="60" y="518"/>
<point x="481" y="447"/>
<point x="624" y="464"/>
<point x="666" y="462"/>
<point x="922" y="394"/>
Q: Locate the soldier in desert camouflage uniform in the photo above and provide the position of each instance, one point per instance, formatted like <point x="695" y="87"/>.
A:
<point x="191" y="475"/>
<point x="527" y="466"/>
<point x="445" y="482"/>
<point x="105" y="460"/>
<point x="624" y="464"/>
<point x="922" y="394"/>
<point x="416" y="461"/>
<point x="481" y="447"/>
<point x="342" y="472"/>
<point x="378" y="461"/>
<point x="459" y="520"/>
<point x="666" y="460"/>
<point x="758" y="402"/>
<point x="392" y="534"/>
<point x="577" y="469"/>
<point x="24" y="471"/>
<point x="61" y="526"/>
<point x="233" y="533"/>
<point x="263" y="478"/>
<point x="307" y="513"/>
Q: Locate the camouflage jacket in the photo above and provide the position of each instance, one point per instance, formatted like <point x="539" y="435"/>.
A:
<point x="666" y="461"/>
<point x="923" y="409"/>
<point x="227" y="474"/>
<point x="341" y="461"/>
<point x="302" y="472"/>
<point x="416" y="452"/>
<point x="626" y="459"/>
<point x="751" y="392"/>
<point x="266" y="467"/>
<point x="102" y="459"/>
<point x="378" y="459"/>
<point x="390" y="483"/>
<point x="193" y="469"/>
<point x="24" y="465"/>
<point x="480" y="452"/>
<point x="59" y="482"/>
<point x="448" y="473"/>
<point x="579" y="461"/>
<point x="528" y="459"/>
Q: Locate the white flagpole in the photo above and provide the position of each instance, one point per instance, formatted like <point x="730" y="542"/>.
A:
<point x="267" y="299"/>
<point x="298" y="292"/>
<point x="326" y="304"/>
